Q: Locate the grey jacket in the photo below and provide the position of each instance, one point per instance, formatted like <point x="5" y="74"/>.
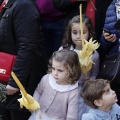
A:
<point x="96" y="114"/>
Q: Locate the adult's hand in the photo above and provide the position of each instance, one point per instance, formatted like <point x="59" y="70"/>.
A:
<point x="109" y="37"/>
<point x="11" y="90"/>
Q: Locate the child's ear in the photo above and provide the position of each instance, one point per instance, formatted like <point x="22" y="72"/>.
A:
<point x="98" y="103"/>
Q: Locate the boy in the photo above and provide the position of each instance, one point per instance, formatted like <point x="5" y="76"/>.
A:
<point x="98" y="95"/>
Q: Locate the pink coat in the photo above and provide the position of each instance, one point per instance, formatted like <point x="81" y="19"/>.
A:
<point x="60" y="105"/>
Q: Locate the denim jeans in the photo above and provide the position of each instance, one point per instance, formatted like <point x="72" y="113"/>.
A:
<point x="53" y="34"/>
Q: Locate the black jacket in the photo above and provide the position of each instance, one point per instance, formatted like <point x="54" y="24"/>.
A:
<point x="20" y="35"/>
<point x="72" y="9"/>
<point x="100" y="14"/>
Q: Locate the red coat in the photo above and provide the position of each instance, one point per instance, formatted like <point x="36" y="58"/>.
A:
<point x="1" y="6"/>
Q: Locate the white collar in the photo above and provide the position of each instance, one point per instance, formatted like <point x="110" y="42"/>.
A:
<point x="61" y="88"/>
<point x="77" y="51"/>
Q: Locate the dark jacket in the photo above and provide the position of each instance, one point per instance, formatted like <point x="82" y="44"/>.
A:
<point x="1" y="1"/>
<point x="100" y="14"/>
<point x="20" y="35"/>
<point x="111" y="18"/>
<point x="72" y="9"/>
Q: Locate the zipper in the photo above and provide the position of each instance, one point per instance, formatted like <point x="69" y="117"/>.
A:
<point x="93" y="5"/>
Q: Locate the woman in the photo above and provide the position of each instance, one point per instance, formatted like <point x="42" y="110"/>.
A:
<point x="20" y="35"/>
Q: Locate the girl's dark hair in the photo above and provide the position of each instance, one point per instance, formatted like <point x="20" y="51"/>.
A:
<point x="71" y="62"/>
<point x="67" y="41"/>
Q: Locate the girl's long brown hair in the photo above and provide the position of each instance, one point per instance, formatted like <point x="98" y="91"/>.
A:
<point x="67" y="40"/>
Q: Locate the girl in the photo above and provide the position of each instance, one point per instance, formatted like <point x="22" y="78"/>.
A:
<point x="58" y="93"/>
<point x="72" y="40"/>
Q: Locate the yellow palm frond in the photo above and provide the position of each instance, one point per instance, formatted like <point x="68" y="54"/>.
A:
<point x="27" y="100"/>
<point x="85" y="56"/>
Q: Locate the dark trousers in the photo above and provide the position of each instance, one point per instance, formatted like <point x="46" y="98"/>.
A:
<point x="53" y="34"/>
<point x="17" y="115"/>
<point x="3" y="112"/>
<point x="13" y="114"/>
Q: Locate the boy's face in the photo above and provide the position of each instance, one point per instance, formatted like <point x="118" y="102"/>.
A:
<point x="109" y="97"/>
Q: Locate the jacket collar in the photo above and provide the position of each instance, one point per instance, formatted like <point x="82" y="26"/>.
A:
<point x="61" y="88"/>
<point x="104" y="114"/>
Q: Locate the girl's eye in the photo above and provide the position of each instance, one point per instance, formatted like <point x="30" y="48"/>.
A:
<point x="60" y="70"/>
<point x="84" y="32"/>
<point x="74" y="32"/>
<point x="53" y="68"/>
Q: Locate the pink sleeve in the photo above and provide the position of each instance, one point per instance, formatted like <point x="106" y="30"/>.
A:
<point x="73" y="102"/>
<point x="95" y="67"/>
<point x="39" y="90"/>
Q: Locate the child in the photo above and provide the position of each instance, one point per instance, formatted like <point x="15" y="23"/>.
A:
<point x="58" y="93"/>
<point x="72" y="40"/>
<point x="102" y="99"/>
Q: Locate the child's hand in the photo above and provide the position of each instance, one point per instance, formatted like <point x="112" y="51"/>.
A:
<point x="31" y="110"/>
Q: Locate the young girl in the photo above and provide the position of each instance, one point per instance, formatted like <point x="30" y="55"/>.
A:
<point x="58" y="93"/>
<point x="72" y="40"/>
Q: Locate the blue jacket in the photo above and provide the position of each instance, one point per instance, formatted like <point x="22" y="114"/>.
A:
<point x="111" y="18"/>
<point x="96" y="114"/>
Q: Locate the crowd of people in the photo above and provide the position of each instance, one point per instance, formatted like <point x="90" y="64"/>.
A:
<point x="46" y="37"/>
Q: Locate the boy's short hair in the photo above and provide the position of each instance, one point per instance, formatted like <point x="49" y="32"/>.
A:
<point x="93" y="90"/>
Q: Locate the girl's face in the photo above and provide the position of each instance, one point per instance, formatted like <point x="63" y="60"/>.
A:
<point x="59" y="72"/>
<point x="76" y="34"/>
<point x="109" y="97"/>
